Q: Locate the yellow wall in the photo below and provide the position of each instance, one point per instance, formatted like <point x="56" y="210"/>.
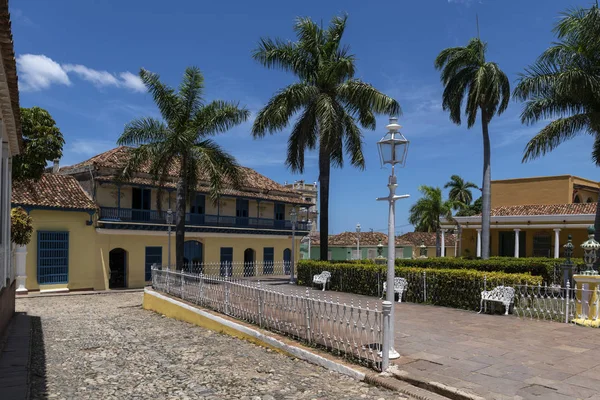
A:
<point x="469" y="240"/>
<point x="82" y="268"/>
<point x="540" y="190"/>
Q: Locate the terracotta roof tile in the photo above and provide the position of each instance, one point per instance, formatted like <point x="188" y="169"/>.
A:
<point x="545" y="209"/>
<point x="348" y="239"/>
<point x="416" y="238"/>
<point x="117" y="157"/>
<point x="52" y="190"/>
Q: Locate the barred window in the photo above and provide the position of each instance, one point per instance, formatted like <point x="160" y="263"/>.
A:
<point x="53" y="257"/>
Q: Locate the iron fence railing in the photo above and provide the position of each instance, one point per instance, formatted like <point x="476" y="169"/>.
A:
<point x="239" y="269"/>
<point x="352" y="330"/>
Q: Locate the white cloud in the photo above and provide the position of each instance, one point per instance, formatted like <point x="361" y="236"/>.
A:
<point x="97" y="78"/>
<point x="132" y="82"/>
<point x="37" y="72"/>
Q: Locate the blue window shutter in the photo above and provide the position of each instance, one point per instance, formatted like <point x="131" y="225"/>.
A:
<point x="53" y="257"/>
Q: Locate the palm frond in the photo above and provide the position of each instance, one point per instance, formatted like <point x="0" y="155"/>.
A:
<point x="143" y="130"/>
<point x="218" y="117"/>
<point x="555" y="133"/>
<point x="304" y="136"/>
<point x="190" y="91"/>
<point x="163" y="95"/>
<point x="220" y="166"/>
<point x="361" y="95"/>
<point x="353" y="142"/>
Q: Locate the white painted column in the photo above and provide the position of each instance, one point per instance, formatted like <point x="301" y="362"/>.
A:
<point x="478" y="242"/>
<point x="517" y="242"/>
<point x="20" y="260"/>
<point x="443" y="244"/>
<point x="556" y="242"/>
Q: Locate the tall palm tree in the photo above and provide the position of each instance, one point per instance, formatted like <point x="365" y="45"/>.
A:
<point x="465" y="72"/>
<point x="329" y="101"/>
<point x="181" y="142"/>
<point x="460" y="190"/>
<point x="564" y="86"/>
<point x="425" y="214"/>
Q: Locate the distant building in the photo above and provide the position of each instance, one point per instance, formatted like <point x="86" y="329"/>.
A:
<point x="532" y="217"/>
<point x="309" y="193"/>
<point x="346" y="246"/>
<point x="416" y="239"/>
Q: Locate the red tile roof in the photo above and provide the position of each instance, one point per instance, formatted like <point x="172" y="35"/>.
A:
<point x="416" y="238"/>
<point x="260" y="186"/>
<point x="52" y="190"/>
<point x="348" y="239"/>
<point x="545" y="209"/>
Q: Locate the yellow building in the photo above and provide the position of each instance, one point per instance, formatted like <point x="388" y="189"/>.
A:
<point x="533" y="217"/>
<point x="245" y="233"/>
<point x="428" y="239"/>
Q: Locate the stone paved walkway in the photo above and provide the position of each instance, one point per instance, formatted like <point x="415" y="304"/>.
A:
<point x="493" y="356"/>
<point x="108" y="347"/>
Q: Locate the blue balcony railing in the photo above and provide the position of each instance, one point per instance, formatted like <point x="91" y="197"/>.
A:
<point x="160" y="217"/>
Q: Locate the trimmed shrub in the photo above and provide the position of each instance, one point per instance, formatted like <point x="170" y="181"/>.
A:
<point x="21" y="227"/>
<point x="458" y="288"/>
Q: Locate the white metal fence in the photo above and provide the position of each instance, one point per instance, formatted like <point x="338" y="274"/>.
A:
<point x="239" y="269"/>
<point x="352" y="330"/>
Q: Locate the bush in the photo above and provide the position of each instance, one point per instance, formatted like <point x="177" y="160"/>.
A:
<point x="459" y="288"/>
<point x="21" y="226"/>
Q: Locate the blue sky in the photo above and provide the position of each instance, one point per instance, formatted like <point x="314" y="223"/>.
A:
<point x="78" y="59"/>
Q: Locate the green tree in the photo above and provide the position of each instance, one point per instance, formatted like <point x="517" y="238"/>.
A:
<point x="563" y="86"/>
<point x="460" y="190"/>
<point x="465" y="72"/>
<point x="426" y="213"/>
<point x="183" y="139"/>
<point x="331" y="103"/>
<point x="471" y="209"/>
<point x="42" y="142"/>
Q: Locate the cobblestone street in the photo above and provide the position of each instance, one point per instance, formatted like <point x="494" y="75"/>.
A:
<point x="108" y="347"/>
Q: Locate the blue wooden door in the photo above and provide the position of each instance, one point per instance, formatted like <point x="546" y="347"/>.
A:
<point x="268" y="258"/>
<point x="226" y="261"/>
<point x="197" y="210"/>
<point x="53" y="257"/>
<point x="241" y="212"/>
<point x="192" y="256"/>
<point x="279" y="215"/>
<point x="287" y="261"/>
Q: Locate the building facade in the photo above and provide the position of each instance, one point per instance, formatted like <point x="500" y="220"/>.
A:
<point x="10" y="145"/>
<point x="116" y="244"/>
<point x="428" y="239"/>
<point x="355" y="246"/>
<point x="533" y="217"/>
<point x="310" y="194"/>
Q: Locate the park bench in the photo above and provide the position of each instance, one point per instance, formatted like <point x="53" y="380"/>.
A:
<point x="322" y="278"/>
<point x="500" y="294"/>
<point x="400" y="286"/>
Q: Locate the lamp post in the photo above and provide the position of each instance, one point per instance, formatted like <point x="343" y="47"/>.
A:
<point x="293" y="219"/>
<point x="393" y="148"/>
<point x="590" y="248"/>
<point x="422" y="250"/>
<point x="309" y="227"/>
<point x="169" y="222"/>
<point x="358" y="257"/>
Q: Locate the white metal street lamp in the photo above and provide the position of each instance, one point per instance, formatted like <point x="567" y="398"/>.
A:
<point x="358" y="257"/>
<point x="293" y="219"/>
<point x="309" y="227"/>
<point x="393" y="148"/>
<point x="169" y="223"/>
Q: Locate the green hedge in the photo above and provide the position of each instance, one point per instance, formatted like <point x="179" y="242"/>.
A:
<point x="458" y="288"/>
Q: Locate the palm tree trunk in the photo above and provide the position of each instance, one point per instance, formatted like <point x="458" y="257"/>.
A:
<point x="180" y="221"/>
<point x="324" y="173"/>
<point x="438" y="242"/>
<point x="486" y="190"/>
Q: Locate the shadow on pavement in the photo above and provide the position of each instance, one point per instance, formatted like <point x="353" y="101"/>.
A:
<point x="37" y="375"/>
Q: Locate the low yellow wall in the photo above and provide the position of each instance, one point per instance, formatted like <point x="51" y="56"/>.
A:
<point x="82" y="267"/>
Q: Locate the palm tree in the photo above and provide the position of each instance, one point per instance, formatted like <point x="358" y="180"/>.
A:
<point x="181" y="142"/>
<point x="331" y="103"/>
<point x="460" y="190"/>
<point x="564" y="86"/>
<point x="425" y="214"/>
<point x="464" y="71"/>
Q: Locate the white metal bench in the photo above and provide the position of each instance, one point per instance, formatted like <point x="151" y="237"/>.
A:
<point x="500" y="294"/>
<point x="400" y="286"/>
<point x="322" y="278"/>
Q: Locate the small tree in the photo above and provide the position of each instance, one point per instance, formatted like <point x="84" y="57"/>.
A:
<point x="21" y="226"/>
<point x="42" y="142"/>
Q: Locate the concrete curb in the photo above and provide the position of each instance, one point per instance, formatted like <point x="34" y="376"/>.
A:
<point x="33" y="295"/>
<point x="435" y="387"/>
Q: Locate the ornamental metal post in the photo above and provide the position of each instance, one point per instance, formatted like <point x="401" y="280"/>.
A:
<point x="309" y="227"/>
<point x="358" y="257"/>
<point x="293" y="219"/>
<point x="386" y="350"/>
<point x="393" y="148"/>
<point x="169" y="222"/>
<point x="567" y="267"/>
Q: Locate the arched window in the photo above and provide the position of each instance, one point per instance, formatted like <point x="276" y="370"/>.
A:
<point x="589" y="200"/>
<point x="577" y="199"/>
<point x="117" y="261"/>
<point x="249" y="262"/>
<point x="287" y="260"/>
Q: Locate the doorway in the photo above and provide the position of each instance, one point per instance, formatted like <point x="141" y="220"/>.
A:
<point x="287" y="261"/>
<point x="249" y="261"/>
<point x="506" y="245"/>
<point x="117" y="261"/>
